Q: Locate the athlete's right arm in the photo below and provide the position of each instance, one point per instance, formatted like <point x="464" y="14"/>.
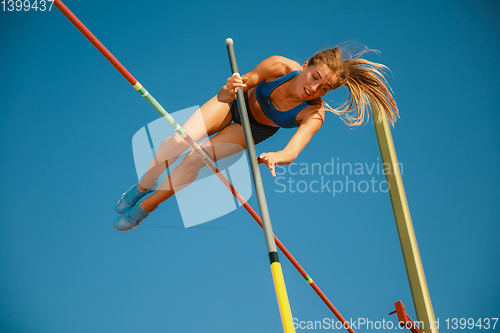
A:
<point x="270" y="68"/>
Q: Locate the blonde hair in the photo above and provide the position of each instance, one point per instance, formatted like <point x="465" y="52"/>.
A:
<point x="363" y="79"/>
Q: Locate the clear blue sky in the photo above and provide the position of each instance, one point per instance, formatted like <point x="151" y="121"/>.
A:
<point x="67" y="122"/>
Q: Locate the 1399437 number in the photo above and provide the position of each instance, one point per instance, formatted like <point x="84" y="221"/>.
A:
<point x="26" y="5"/>
<point x="470" y="323"/>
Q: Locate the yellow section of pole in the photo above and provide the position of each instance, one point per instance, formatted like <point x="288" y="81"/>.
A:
<point x="284" y="305"/>
<point x="407" y="239"/>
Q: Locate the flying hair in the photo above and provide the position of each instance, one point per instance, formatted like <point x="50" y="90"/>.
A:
<point x="364" y="81"/>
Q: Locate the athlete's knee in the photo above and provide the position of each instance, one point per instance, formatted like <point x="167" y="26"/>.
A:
<point x="192" y="162"/>
<point x="174" y="143"/>
<point x="170" y="150"/>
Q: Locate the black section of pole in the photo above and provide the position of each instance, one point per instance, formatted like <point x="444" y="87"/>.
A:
<point x="259" y="187"/>
<point x="273" y="257"/>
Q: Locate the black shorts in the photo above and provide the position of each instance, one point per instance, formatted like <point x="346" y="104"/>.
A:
<point x="260" y="132"/>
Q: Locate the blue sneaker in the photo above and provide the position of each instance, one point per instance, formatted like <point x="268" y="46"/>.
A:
<point x="130" y="198"/>
<point x="131" y="218"/>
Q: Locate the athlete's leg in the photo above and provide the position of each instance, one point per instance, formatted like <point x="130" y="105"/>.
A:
<point x="209" y="119"/>
<point x="227" y="142"/>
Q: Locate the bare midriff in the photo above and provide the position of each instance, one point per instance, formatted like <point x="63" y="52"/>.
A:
<point x="257" y="111"/>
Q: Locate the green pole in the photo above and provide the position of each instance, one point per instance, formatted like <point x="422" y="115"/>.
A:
<point x="407" y="238"/>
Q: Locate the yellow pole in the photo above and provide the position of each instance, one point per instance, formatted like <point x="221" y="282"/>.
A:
<point x="281" y="295"/>
<point x="407" y="239"/>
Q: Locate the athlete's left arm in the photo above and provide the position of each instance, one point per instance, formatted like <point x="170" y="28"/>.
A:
<point x="310" y="124"/>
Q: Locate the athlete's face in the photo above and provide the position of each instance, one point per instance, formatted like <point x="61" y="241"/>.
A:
<point x="315" y="81"/>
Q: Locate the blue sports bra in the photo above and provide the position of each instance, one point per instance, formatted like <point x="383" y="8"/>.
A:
<point x="285" y="119"/>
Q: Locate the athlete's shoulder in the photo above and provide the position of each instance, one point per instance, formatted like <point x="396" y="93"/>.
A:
<point x="270" y="69"/>
<point x="278" y="66"/>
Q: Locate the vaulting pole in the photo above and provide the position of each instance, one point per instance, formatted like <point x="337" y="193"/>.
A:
<point x="407" y="238"/>
<point x="279" y="282"/>
<point x="102" y="49"/>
